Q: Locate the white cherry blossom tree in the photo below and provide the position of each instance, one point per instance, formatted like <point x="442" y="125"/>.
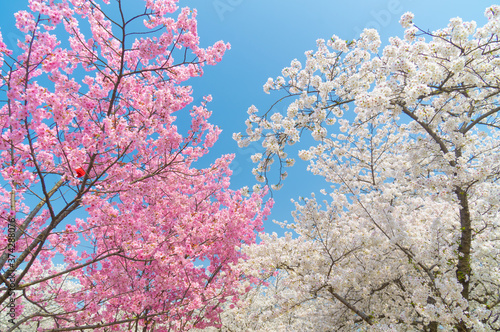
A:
<point x="408" y="141"/>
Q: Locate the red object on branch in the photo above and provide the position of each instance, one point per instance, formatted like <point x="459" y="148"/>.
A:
<point x="80" y="172"/>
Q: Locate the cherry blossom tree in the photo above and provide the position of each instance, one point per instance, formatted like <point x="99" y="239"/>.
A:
<point x="96" y="174"/>
<point x="408" y="141"/>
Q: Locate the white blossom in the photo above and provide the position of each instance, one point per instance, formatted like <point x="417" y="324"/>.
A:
<point x="406" y="20"/>
<point x="256" y="157"/>
<point x="305" y="155"/>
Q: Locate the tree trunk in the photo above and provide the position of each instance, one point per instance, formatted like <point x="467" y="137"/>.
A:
<point x="432" y="327"/>
<point x="464" y="250"/>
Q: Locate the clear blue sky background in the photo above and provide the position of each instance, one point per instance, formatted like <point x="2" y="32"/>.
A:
<point x="265" y="36"/>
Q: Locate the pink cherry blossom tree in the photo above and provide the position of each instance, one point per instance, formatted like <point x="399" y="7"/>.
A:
<point x="88" y="123"/>
<point x="408" y="142"/>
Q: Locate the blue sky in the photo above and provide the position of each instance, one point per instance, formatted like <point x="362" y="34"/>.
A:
<point x="265" y="36"/>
